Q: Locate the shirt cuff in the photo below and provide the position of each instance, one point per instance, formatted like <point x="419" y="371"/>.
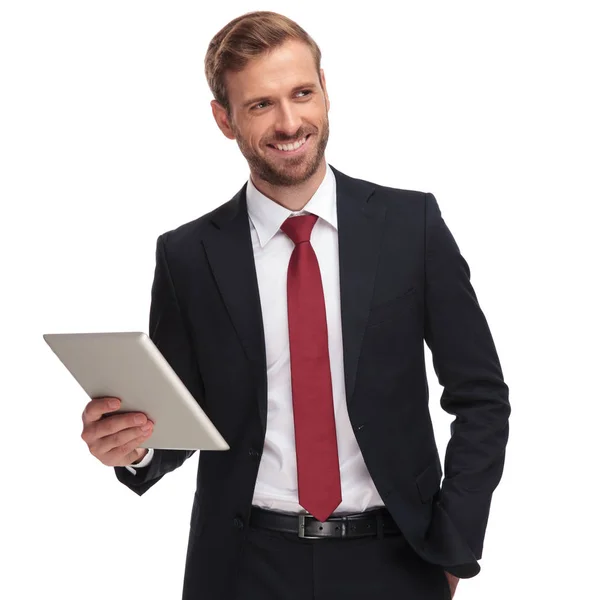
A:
<point x="143" y="463"/>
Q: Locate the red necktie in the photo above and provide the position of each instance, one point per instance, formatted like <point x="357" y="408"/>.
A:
<point x="319" y="487"/>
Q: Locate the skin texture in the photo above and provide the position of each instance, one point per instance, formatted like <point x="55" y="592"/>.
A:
<point x="114" y="439"/>
<point x="280" y="114"/>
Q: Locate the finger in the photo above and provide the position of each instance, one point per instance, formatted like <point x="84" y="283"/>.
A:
<point x="97" y="407"/>
<point x="111" y="425"/>
<point x="105" y="445"/>
<point x="121" y="455"/>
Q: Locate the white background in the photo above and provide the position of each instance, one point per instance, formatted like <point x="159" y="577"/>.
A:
<point x="107" y="140"/>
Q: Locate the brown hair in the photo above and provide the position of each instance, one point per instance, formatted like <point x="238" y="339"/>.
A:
<point x="246" y="37"/>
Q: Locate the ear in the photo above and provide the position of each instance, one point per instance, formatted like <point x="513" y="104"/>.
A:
<point x="324" y="86"/>
<point x="220" y="115"/>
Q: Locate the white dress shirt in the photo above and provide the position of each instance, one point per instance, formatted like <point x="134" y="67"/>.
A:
<point x="277" y="481"/>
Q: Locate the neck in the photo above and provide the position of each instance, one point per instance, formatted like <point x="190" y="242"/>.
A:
<point x="292" y="197"/>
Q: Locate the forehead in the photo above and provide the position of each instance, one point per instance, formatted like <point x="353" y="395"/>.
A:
<point x="281" y="69"/>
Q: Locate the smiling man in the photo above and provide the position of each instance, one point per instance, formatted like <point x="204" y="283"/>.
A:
<point x="276" y="109"/>
<point x="296" y="313"/>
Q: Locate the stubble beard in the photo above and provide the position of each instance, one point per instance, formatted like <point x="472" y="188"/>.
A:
<point x="291" y="171"/>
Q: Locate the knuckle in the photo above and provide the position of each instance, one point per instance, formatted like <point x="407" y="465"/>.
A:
<point x="109" y="458"/>
<point x="125" y="437"/>
<point x="86" y="436"/>
<point x="137" y="441"/>
<point x="105" y="427"/>
<point x="122" y="437"/>
<point x="108" y="461"/>
<point x="111" y="425"/>
<point x="132" y="445"/>
<point x="117" y="440"/>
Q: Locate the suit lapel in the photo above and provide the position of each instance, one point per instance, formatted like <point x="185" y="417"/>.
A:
<point x="360" y="231"/>
<point x="229" y="251"/>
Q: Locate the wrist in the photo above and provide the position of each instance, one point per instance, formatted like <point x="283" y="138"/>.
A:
<point x="141" y="458"/>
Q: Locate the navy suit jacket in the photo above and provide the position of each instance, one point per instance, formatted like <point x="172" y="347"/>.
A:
<point x="403" y="282"/>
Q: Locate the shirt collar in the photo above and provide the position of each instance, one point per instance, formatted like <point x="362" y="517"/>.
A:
<point x="267" y="216"/>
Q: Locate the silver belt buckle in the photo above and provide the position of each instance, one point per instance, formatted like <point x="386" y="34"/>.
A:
<point x="301" y="526"/>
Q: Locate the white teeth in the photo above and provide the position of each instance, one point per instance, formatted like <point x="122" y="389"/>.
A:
<point x="288" y="147"/>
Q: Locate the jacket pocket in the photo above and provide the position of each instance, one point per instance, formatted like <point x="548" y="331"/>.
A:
<point x="387" y="309"/>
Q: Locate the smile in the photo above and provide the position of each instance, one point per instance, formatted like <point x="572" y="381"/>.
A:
<point x="294" y="148"/>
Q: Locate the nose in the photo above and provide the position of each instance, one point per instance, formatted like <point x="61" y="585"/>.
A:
<point x="288" y="120"/>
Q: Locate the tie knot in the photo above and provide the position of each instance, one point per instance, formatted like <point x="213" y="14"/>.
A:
<point x="298" y="229"/>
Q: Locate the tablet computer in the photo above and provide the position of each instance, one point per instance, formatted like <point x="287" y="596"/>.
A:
<point x="128" y="365"/>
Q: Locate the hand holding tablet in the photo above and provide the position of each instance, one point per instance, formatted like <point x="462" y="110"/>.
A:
<point x="128" y="366"/>
<point x="114" y="439"/>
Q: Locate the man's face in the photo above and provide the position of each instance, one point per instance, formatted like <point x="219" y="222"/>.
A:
<point x="277" y="99"/>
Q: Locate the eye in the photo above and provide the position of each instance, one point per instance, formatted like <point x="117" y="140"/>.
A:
<point x="307" y="92"/>
<point x="258" y="105"/>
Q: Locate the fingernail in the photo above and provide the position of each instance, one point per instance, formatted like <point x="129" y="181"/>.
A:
<point x="113" y="403"/>
<point x="139" y="419"/>
<point x="147" y="427"/>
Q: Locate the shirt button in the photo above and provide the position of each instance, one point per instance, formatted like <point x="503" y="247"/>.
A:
<point x="238" y="523"/>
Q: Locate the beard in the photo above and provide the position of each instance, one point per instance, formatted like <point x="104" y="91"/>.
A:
<point x="286" y="171"/>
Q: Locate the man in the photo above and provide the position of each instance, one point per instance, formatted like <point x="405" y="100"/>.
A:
<point x="295" y="313"/>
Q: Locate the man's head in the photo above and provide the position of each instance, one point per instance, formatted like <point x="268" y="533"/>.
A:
<point x="265" y="74"/>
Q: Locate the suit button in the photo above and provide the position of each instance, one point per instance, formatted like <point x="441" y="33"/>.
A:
<point x="238" y="523"/>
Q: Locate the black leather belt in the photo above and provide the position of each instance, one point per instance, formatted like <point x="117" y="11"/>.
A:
<point x="365" y="524"/>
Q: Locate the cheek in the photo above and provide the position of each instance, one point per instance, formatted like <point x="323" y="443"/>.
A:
<point x="254" y="140"/>
<point x="317" y="120"/>
<point x="254" y="133"/>
<point x="248" y="135"/>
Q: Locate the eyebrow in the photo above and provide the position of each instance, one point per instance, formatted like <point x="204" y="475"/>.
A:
<point x="305" y="86"/>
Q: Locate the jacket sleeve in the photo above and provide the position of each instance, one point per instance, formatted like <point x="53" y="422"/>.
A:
<point x="467" y="367"/>
<point x="168" y="331"/>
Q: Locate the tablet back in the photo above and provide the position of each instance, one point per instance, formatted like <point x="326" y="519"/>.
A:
<point x="127" y="365"/>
